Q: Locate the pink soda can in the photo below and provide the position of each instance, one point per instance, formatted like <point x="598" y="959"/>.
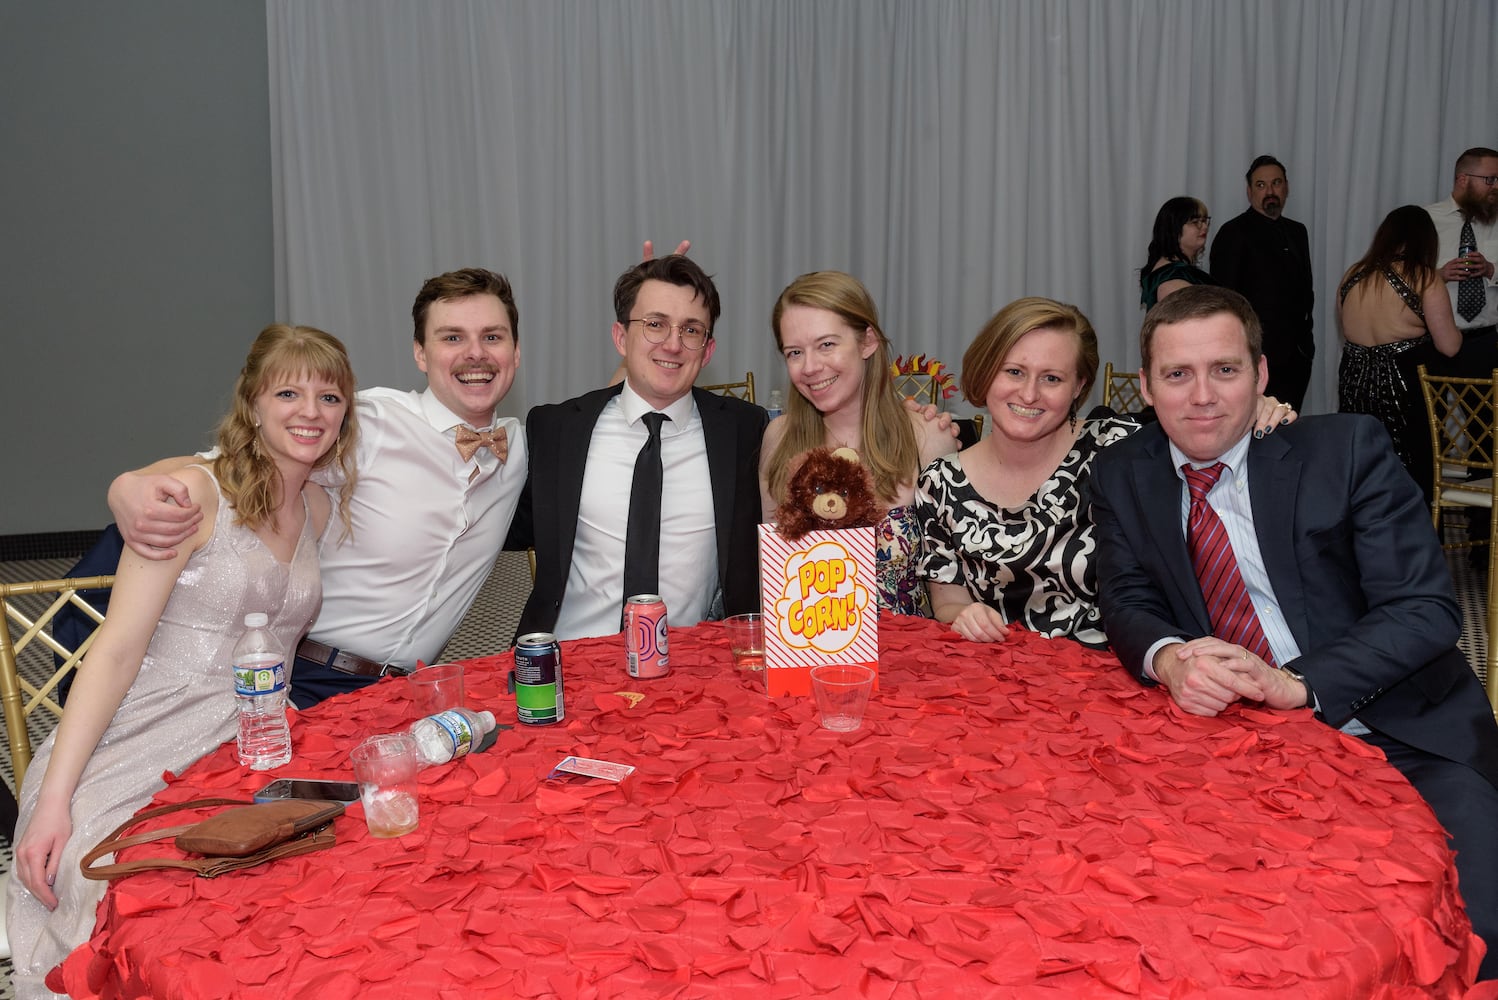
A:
<point x="646" y="651"/>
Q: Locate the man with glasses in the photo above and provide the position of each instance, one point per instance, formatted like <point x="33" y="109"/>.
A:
<point x="1266" y="258"/>
<point x="1467" y="228"/>
<point x="649" y="456"/>
<point x="1467" y="233"/>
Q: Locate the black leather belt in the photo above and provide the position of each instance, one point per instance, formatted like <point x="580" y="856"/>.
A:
<point x="1479" y="331"/>
<point x="345" y="662"/>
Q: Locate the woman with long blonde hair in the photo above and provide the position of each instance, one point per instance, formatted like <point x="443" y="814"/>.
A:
<point x="838" y="361"/>
<point x="155" y="691"/>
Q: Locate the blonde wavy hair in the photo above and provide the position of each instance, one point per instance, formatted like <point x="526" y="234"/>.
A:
<point x="890" y="451"/>
<point x="246" y="474"/>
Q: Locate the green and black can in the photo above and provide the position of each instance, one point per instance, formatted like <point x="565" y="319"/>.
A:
<point x="538" y="679"/>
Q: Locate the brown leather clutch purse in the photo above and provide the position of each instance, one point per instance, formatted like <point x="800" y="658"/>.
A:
<point x="248" y="835"/>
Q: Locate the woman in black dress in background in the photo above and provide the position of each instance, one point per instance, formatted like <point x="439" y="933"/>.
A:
<point x="1395" y="315"/>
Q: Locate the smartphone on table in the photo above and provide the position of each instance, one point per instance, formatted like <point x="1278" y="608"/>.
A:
<point x="346" y="792"/>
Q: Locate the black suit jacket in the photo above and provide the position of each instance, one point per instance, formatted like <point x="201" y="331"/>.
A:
<point x="1355" y="566"/>
<point x="1268" y="262"/>
<point x="558" y="436"/>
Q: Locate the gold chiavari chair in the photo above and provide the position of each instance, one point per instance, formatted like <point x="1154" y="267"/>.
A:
<point x="1460" y="414"/>
<point x="738" y="390"/>
<point x="1121" y="390"/>
<point x="23" y="694"/>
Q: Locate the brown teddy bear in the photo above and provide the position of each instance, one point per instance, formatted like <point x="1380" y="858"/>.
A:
<point x="830" y="489"/>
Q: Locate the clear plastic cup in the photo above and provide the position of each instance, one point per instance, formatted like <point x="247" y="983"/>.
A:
<point x="437" y="688"/>
<point x="746" y="639"/>
<point x="842" y="693"/>
<point x="385" y="767"/>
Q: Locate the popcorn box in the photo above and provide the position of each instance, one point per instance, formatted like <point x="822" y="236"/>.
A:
<point x="818" y="599"/>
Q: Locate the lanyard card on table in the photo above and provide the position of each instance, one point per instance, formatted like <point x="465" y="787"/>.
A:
<point x="818" y="602"/>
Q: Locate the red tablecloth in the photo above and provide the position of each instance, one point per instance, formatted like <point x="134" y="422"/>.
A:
<point x="1013" y="820"/>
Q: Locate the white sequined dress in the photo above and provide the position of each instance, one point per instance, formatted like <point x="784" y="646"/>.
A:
<point x="180" y="708"/>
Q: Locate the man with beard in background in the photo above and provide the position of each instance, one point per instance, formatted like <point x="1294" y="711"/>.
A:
<point x="1266" y="258"/>
<point x="1467" y="231"/>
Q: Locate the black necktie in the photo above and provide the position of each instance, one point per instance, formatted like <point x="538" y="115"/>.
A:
<point x="642" y="539"/>
<point x="1470" y="295"/>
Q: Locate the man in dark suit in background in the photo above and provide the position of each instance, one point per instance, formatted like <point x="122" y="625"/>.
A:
<point x="576" y="507"/>
<point x="1266" y="258"/>
<point x="1331" y="571"/>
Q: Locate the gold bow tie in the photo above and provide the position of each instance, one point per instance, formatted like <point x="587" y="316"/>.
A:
<point x="469" y="442"/>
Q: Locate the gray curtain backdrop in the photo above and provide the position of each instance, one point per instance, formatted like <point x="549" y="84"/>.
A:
<point x="953" y="155"/>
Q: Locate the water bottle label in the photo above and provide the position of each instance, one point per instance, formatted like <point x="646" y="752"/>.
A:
<point x="252" y="681"/>
<point x="457" y="730"/>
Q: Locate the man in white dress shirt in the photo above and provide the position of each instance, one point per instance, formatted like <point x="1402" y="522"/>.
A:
<point x="576" y="507"/>
<point x="1470" y="217"/>
<point x="1474" y="203"/>
<point x="439" y="478"/>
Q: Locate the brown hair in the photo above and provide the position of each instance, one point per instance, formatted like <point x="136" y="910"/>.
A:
<point x="1405" y="242"/>
<point x="674" y="269"/>
<point x="1199" y="302"/>
<point x="890" y="450"/>
<point x="985" y="355"/>
<point x="461" y="284"/>
<point x="1471" y="157"/>
<point x="248" y="477"/>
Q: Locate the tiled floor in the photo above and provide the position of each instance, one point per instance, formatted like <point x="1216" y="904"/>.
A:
<point x="490" y="625"/>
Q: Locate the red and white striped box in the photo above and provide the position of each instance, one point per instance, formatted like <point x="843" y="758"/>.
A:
<point x="819" y="605"/>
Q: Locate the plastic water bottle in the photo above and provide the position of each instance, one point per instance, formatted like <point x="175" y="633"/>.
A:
<point x="776" y="404"/>
<point x="451" y="734"/>
<point x="260" y="690"/>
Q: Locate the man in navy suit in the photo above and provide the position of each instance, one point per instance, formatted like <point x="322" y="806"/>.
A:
<point x="1347" y="580"/>
<point x="574" y="510"/>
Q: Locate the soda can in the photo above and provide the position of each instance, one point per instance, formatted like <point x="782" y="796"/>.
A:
<point x="646" y="651"/>
<point x="538" y="679"/>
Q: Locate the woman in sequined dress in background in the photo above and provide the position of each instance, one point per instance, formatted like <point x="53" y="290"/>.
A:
<point x="1395" y="315"/>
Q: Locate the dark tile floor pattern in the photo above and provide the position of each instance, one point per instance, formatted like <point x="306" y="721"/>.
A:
<point x="490" y="624"/>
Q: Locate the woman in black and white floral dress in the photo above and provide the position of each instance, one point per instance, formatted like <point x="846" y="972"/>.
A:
<point x="1008" y="533"/>
<point x="1008" y="522"/>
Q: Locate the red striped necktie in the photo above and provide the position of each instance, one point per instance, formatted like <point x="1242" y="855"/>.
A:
<point x="1232" y="613"/>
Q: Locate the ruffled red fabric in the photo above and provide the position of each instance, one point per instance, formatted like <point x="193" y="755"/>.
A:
<point x="1020" y="819"/>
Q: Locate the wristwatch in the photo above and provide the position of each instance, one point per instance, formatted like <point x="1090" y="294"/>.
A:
<point x="1310" y="695"/>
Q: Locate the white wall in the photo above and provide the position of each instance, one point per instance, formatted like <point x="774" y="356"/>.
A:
<point x="135" y="239"/>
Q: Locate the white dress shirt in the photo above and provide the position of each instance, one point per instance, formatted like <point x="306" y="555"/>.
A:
<point x="425" y="534"/>
<point x="1448" y="219"/>
<point x="689" y="545"/>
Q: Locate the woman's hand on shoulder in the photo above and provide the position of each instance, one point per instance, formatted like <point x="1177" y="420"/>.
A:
<point x="142" y="586"/>
<point x="980" y="623"/>
<point x="1270" y="414"/>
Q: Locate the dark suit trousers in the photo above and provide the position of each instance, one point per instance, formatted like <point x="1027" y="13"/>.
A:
<point x="1467" y="806"/>
<point x="312" y="682"/>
